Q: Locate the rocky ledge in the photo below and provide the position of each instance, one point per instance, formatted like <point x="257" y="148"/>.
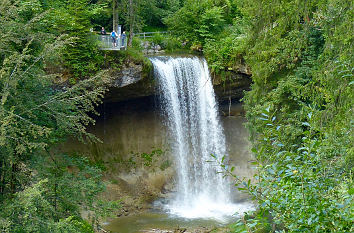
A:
<point x="231" y="86"/>
<point x="133" y="80"/>
<point x="136" y="79"/>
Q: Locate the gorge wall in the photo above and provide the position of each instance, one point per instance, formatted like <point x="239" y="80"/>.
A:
<point x="135" y="79"/>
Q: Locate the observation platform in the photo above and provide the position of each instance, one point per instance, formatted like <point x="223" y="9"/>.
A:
<point x="106" y="43"/>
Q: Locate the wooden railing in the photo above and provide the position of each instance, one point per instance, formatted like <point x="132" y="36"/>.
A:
<point x="144" y="35"/>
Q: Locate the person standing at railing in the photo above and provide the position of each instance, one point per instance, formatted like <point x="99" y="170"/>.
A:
<point x="124" y="36"/>
<point x="114" y="38"/>
<point x="103" y="32"/>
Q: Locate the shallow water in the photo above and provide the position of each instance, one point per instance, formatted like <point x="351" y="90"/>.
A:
<point x="150" y="220"/>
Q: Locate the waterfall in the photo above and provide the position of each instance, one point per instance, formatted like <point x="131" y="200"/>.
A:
<point x="188" y="102"/>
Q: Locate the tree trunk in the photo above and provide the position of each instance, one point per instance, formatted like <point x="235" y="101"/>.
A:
<point x="115" y="15"/>
<point x="55" y="195"/>
<point x="2" y="177"/>
<point x="131" y="23"/>
<point x="131" y="34"/>
<point x="56" y="177"/>
<point x="13" y="178"/>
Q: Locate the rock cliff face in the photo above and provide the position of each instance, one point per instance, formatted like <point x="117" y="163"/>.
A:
<point x="231" y="86"/>
<point x="136" y="80"/>
<point x="131" y="82"/>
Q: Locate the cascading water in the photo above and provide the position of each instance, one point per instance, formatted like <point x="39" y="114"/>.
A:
<point x="188" y="101"/>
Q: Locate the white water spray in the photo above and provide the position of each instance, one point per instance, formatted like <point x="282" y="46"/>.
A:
<point x="188" y="101"/>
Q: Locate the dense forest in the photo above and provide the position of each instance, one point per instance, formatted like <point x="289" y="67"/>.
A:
<point x="299" y="108"/>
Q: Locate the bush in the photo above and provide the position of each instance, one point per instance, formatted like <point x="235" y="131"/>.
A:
<point x="137" y="43"/>
<point x="157" y="39"/>
<point x="198" y="21"/>
<point x="172" y="43"/>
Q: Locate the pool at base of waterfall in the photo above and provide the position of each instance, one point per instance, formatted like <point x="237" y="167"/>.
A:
<point x="165" y="218"/>
<point x="203" y="209"/>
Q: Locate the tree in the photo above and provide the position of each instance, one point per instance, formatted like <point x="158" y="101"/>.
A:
<point x="198" y="21"/>
<point x="154" y="12"/>
<point x="35" y="114"/>
<point x="298" y="118"/>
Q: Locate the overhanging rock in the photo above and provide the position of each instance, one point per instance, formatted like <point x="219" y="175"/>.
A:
<point x="135" y="80"/>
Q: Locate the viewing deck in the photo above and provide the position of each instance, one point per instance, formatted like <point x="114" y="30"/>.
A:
<point x="106" y="43"/>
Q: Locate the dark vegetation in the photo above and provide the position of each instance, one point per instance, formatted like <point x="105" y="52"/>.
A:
<point x="299" y="109"/>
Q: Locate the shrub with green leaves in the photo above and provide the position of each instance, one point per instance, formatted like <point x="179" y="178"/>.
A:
<point x="157" y="39"/>
<point x="299" y="113"/>
<point x="295" y="185"/>
<point x="42" y="191"/>
<point x="198" y="21"/>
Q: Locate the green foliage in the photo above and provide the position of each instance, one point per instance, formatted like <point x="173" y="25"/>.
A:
<point x="149" y="157"/>
<point x="137" y="44"/>
<point x="82" y="55"/>
<point x="148" y="28"/>
<point x="296" y="186"/>
<point x="116" y="59"/>
<point x="171" y="44"/>
<point x="211" y="23"/>
<point x="100" y="14"/>
<point x="299" y="112"/>
<point x="131" y="12"/>
<point x="310" y="77"/>
<point x="157" y="39"/>
<point x="227" y="50"/>
<point x="72" y="182"/>
<point x="256" y="224"/>
<point x="198" y="21"/>
<point x="41" y="191"/>
<point x="31" y="210"/>
<point x="154" y="11"/>
<point x="73" y="224"/>
<point x="216" y="27"/>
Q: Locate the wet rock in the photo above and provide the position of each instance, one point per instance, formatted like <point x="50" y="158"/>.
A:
<point x="180" y="230"/>
<point x="129" y="75"/>
<point x="145" y="44"/>
<point x="157" y="231"/>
